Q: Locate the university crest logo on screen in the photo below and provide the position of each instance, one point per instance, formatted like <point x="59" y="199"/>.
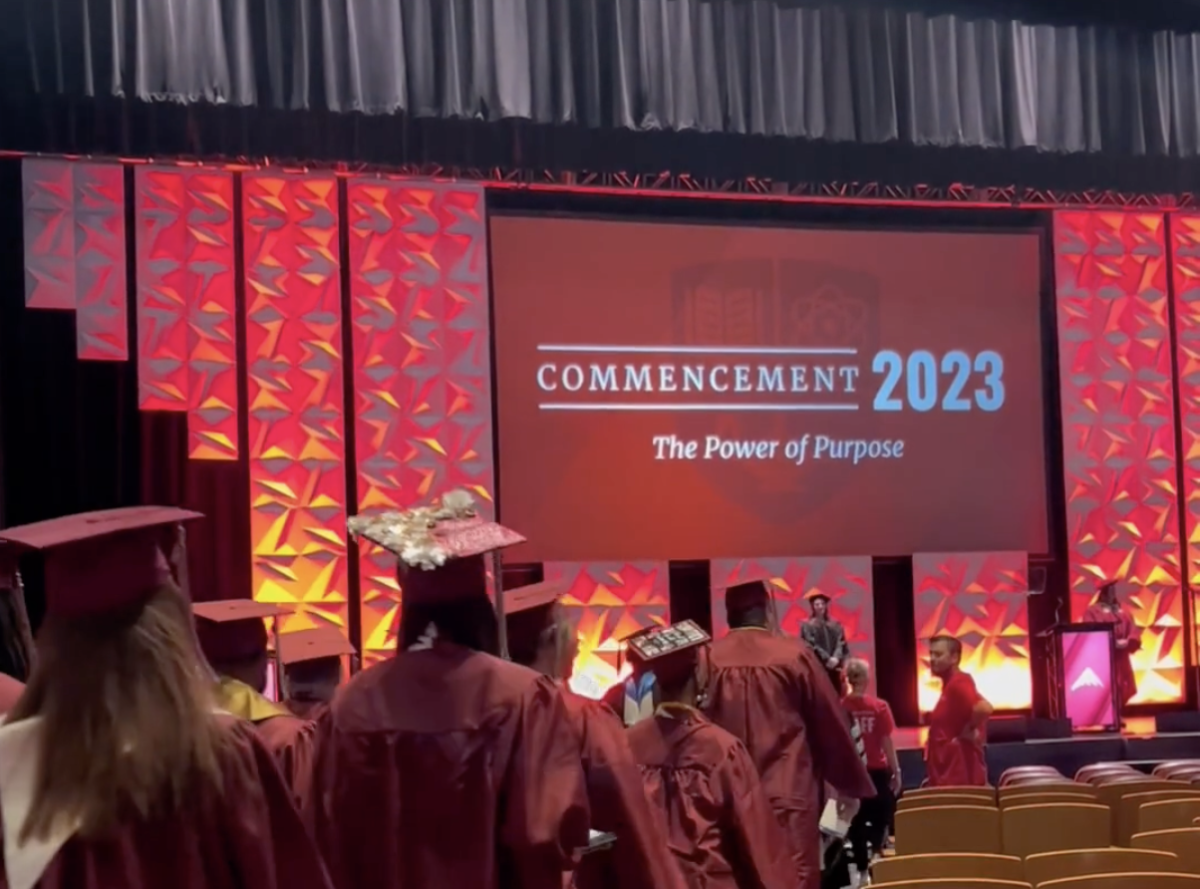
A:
<point x="794" y="319"/>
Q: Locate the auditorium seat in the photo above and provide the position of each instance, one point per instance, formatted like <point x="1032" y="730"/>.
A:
<point x="948" y="829"/>
<point x="953" y="865"/>
<point x="1027" y="830"/>
<point x="1166" y="814"/>
<point x="1035" y="778"/>
<point x="1048" y="794"/>
<point x="1103" y="776"/>
<point x="1049" y="866"/>
<point x="909" y="801"/>
<point x="1128" y="821"/>
<point x="955" y="883"/>
<point x="1169" y="769"/>
<point x="1010" y="775"/>
<point x="1084" y="792"/>
<point x="1184" y="842"/>
<point x="1127" y="881"/>
<point x="983" y="793"/>
<point x="1095" y="767"/>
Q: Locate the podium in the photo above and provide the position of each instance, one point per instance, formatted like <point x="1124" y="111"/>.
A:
<point x="1081" y="658"/>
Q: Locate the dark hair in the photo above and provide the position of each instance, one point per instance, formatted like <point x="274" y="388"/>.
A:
<point x="747" y="616"/>
<point x="315" y="672"/>
<point x="955" y="645"/>
<point x="470" y="623"/>
<point x="527" y="631"/>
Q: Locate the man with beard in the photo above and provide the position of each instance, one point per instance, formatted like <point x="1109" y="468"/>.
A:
<point x="541" y="637"/>
<point x="772" y="694"/>
<point x="954" y="750"/>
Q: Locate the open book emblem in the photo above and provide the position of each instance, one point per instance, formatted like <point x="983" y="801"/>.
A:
<point x="1087" y="679"/>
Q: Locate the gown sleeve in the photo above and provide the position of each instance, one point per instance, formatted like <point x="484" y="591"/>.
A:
<point x="835" y="754"/>
<point x="291" y="741"/>
<point x="279" y="854"/>
<point x="761" y="855"/>
<point x="545" y="816"/>
<point x="617" y="796"/>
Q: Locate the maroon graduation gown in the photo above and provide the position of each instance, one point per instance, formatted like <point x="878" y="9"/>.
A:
<point x="10" y="691"/>
<point x="1124" y="630"/>
<point x="772" y="694"/>
<point x="291" y="741"/>
<point x="447" y="768"/>
<point x="251" y="836"/>
<point x="619" y="805"/>
<point x="950" y="759"/>
<point x="720" y="826"/>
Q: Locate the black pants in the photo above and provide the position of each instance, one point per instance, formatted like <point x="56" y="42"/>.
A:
<point x="872" y="824"/>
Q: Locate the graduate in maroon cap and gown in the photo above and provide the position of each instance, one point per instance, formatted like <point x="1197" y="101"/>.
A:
<point x="541" y="637"/>
<point x="720" y="825"/>
<point x="772" y="693"/>
<point x="446" y="766"/>
<point x="116" y="769"/>
<point x="233" y="639"/>
<point x="1126" y="637"/>
<point x="312" y="668"/>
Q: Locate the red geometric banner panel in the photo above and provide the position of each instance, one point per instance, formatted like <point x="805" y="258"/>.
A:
<point x="296" y="438"/>
<point x="607" y="602"/>
<point x="75" y="250"/>
<point x="187" y="341"/>
<point x="846" y="580"/>
<point x="981" y="599"/>
<point x="1185" y="290"/>
<point x="422" y="366"/>
<point x="1119" y="429"/>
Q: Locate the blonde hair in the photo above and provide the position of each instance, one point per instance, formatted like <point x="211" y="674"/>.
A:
<point x="857" y="668"/>
<point x="128" y="726"/>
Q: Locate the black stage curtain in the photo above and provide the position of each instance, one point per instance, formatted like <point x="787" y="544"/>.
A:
<point x="73" y="438"/>
<point x="842" y="72"/>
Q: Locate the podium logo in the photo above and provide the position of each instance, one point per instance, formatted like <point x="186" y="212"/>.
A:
<point x="1087" y="679"/>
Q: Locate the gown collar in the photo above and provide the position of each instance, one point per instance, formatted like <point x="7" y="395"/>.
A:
<point x="240" y="700"/>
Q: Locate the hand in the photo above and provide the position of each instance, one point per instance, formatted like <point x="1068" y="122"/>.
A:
<point x="896" y="783"/>
<point x="847" y="809"/>
<point x="831" y="663"/>
<point x="1122" y="644"/>
<point x="971" y="734"/>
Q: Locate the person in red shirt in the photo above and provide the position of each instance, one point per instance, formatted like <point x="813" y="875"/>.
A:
<point x="1126" y="636"/>
<point x="954" y="751"/>
<point x="871" y="826"/>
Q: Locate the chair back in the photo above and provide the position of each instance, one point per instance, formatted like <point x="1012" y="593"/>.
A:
<point x="1168" y="813"/>
<point x="955" y="883"/>
<point x="1099" y="779"/>
<point x="948" y="865"/>
<point x="1170" y="768"/>
<point x="1085" y="792"/>
<point x="1128" y="821"/>
<point x="1085" y="773"/>
<point x="1009" y="775"/>
<point x="1183" y="842"/>
<point x="925" y="800"/>
<point x="1027" y="830"/>
<point x="939" y="829"/>
<point x="1126" y="881"/>
<point x="1035" y="778"/>
<point x="983" y="793"/>
<point x="1047" y="795"/>
<point x="1049" y="866"/>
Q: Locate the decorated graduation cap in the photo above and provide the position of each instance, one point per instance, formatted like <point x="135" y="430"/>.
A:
<point x="667" y="648"/>
<point x="439" y="549"/>
<point x="233" y="630"/>
<point x="101" y="562"/>
<point x="317" y="644"/>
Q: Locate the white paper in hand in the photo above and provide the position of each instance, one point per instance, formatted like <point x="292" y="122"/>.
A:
<point x="832" y="822"/>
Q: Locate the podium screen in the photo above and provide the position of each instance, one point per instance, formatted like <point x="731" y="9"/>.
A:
<point x="1087" y="674"/>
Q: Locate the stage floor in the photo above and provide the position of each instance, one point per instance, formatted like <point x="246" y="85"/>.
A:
<point x="1137" y="744"/>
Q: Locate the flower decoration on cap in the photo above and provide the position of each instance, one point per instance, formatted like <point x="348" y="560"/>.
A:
<point x="426" y="537"/>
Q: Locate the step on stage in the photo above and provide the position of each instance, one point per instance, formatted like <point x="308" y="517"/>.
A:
<point x="1137" y="744"/>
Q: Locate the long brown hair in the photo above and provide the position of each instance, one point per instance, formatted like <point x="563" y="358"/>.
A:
<point x="128" y="719"/>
